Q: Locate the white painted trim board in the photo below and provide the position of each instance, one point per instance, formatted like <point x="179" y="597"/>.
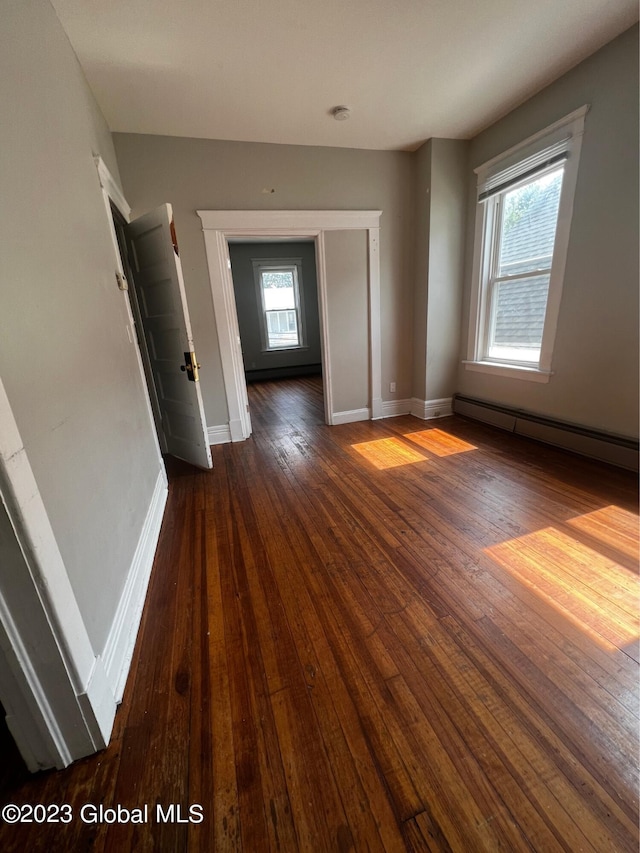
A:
<point x="220" y="434"/>
<point x="351" y="416"/>
<point x="118" y="650"/>
<point x="428" y="410"/>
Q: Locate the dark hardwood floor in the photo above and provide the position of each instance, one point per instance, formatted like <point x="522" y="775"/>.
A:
<point x="395" y="635"/>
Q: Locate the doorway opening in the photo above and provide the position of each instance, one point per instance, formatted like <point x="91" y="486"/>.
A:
<point x="351" y="362"/>
<point x="14" y="770"/>
<point x="120" y="225"/>
<point x="279" y="320"/>
<point x="151" y="245"/>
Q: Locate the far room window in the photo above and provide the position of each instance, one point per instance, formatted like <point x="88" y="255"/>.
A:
<point x="525" y="201"/>
<point x="279" y="300"/>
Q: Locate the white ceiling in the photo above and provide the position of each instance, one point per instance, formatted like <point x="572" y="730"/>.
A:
<point x="271" y="70"/>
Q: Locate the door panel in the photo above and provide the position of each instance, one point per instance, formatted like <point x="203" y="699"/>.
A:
<point x="167" y="330"/>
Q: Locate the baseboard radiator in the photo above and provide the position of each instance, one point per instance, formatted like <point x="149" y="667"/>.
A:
<point x="615" y="449"/>
<point x="269" y="373"/>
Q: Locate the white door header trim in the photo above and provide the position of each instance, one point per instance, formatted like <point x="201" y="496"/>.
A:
<point x="304" y="222"/>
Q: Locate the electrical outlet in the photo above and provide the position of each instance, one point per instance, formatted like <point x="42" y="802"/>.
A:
<point x="392" y="387"/>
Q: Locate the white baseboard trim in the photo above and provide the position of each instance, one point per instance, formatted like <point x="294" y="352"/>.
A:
<point x="119" y="647"/>
<point x="427" y="410"/>
<point x="350" y="417"/>
<point x="99" y="705"/>
<point x="395" y="408"/>
<point x="235" y="430"/>
<point x="377" y="408"/>
<point x="219" y="434"/>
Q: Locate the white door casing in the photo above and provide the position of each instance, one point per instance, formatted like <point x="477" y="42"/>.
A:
<point x="218" y="225"/>
<point x="54" y="688"/>
<point x="167" y="329"/>
<point x="231" y="351"/>
<point x="112" y="195"/>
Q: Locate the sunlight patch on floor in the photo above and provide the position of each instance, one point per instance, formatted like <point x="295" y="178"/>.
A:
<point x="439" y="442"/>
<point x="612" y="526"/>
<point x="596" y="593"/>
<point x="388" y="453"/>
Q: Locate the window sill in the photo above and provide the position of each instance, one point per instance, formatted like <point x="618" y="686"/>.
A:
<point x="512" y="371"/>
<point x="276" y="350"/>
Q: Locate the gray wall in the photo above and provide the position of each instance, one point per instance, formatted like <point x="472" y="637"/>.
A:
<point x="201" y="174"/>
<point x="347" y="297"/>
<point x="439" y="219"/>
<point x="250" y="311"/>
<point x="69" y="370"/>
<point x="446" y="265"/>
<point x="595" y="362"/>
<point x="421" y="232"/>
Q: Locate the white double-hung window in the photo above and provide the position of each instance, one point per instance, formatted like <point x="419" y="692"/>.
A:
<point x="523" y="218"/>
<point x="280" y="303"/>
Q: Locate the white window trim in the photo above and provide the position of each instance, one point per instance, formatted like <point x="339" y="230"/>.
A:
<point x="571" y="126"/>
<point x="294" y="265"/>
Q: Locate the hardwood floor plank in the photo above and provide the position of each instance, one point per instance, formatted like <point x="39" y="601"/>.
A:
<point x="224" y="814"/>
<point x="201" y="776"/>
<point x="421" y="834"/>
<point x="246" y="737"/>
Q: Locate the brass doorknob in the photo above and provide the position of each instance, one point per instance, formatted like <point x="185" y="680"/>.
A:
<point x="190" y="366"/>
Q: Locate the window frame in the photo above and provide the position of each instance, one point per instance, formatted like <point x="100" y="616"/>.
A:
<point x="294" y="266"/>
<point x="568" y="132"/>
<point x="494" y="278"/>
